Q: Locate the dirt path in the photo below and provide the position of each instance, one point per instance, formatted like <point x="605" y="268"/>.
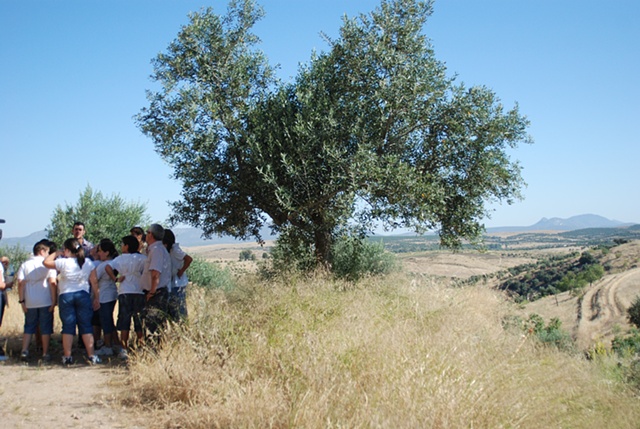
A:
<point x="53" y="396"/>
<point x="604" y="307"/>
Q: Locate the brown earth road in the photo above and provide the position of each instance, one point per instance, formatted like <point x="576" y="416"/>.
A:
<point x="603" y="309"/>
<point x="54" y="396"/>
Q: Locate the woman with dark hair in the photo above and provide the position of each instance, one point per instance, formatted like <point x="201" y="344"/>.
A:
<point x="180" y="261"/>
<point x="139" y="233"/>
<point x="105" y="253"/>
<point x="74" y="300"/>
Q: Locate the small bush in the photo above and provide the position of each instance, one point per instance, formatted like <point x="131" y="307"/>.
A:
<point x="208" y="275"/>
<point x="290" y="254"/>
<point x="551" y="333"/>
<point x="627" y="346"/>
<point x="634" y="312"/>
<point x="247" y="255"/>
<point x="354" y="258"/>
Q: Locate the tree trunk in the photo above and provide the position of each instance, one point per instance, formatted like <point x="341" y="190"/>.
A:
<point x="323" y="242"/>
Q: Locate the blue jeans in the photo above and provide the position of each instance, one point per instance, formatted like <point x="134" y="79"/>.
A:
<point x="76" y="309"/>
<point x="38" y="316"/>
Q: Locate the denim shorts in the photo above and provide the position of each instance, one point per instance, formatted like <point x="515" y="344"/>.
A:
<point x="76" y="309"/>
<point x="38" y="317"/>
<point x="130" y="306"/>
<point x="106" y="316"/>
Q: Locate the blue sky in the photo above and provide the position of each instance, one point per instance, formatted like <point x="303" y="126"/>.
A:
<point x="74" y="73"/>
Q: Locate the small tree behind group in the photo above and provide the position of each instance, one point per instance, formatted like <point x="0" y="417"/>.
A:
<point x="104" y="217"/>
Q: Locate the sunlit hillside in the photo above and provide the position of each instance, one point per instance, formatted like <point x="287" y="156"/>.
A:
<point x="400" y="351"/>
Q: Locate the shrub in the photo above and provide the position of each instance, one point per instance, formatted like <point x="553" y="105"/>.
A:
<point x="290" y="253"/>
<point x="355" y="257"/>
<point x="627" y="346"/>
<point x="634" y="312"/>
<point x="587" y="259"/>
<point x="208" y="275"/>
<point x="247" y="255"/>
<point x="550" y="334"/>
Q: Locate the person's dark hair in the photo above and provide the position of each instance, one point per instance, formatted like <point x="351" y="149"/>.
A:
<point x="169" y="239"/>
<point x="107" y="245"/>
<point x="73" y="246"/>
<point x="53" y="246"/>
<point x="137" y="231"/>
<point x="79" y="224"/>
<point x="132" y="243"/>
<point x="39" y="247"/>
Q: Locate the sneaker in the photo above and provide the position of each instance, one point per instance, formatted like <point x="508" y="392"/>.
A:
<point x="123" y="354"/>
<point x="46" y="358"/>
<point x="24" y="355"/>
<point x="94" y="360"/>
<point x="66" y="361"/>
<point x="105" y="351"/>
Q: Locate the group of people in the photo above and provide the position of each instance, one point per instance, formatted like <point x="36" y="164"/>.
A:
<point x="146" y="278"/>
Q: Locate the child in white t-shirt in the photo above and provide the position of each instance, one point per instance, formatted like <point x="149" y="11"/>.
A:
<point x="38" y="295"/>
<point x="131" y="301"/>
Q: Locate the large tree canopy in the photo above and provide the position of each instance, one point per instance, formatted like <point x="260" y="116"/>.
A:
<point x="370" y="131"/>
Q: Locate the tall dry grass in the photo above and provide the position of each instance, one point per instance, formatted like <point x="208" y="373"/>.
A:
<point x="387" y="352"/>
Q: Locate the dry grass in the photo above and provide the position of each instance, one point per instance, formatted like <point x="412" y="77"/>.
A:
<point x="392" y="352"/>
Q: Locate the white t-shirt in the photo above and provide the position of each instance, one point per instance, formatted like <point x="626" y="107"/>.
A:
<point x="108" y="289"/>
<point x="37" y="292"/>
<point x="177" y="262"/>
<point x="129" y="265"/>
<point x="72" y="277"/>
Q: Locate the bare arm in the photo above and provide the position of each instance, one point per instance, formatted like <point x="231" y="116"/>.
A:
<point x="155" y="282"/>
<point x="187" y="262"/>
<point x="49" y="261"/>
<point x="95" y="289"/>
<point x="21" y="286"/>
<point x="112" y="274"/>
<point x="93" y="279"/>
<point x="53" y="289"/>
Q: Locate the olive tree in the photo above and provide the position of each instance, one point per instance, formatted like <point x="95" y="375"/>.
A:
<point x="372" y="131"/>
<point x="104" y="217"/>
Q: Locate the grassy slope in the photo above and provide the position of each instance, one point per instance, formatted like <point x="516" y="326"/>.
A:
<point x="395" y="352"/>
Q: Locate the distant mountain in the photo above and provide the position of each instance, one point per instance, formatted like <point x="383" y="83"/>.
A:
<point x="571" y="224"/>
<point x="577" y="222"/>
<point x="24" y="242"/>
